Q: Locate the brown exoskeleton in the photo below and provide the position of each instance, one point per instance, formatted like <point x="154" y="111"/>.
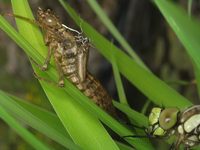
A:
<point x="70" y="51"/>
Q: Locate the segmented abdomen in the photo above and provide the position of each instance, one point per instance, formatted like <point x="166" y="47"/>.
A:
<point x="68" y="58"/>
<point x="93" y="89"/>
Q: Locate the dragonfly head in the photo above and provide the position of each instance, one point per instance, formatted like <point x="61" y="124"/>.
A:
<point x="47" y="18"/>
<point x="161" y="121"/>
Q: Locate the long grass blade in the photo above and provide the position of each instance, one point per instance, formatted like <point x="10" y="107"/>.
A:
<point x="144" y="80"/>
<point x="24" y="133"/>
<point x="134" y="115"/>
<point x="109" y="121"/>
<point x="123" y="146"/>
<point x="81" y="130"/>
<point x="190" y="7"/>
<point x="118" y="82"/>
<point x="107" y="22"/>
<point x="71" y="90"/>
<point x="186" y="28"/>
<point x="37" y="118"/>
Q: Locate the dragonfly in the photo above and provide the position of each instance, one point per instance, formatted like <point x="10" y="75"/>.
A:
<point x="70" y="49"/>
<point x="183" y="124"/>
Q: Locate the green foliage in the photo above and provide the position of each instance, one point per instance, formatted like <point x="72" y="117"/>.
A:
<point x="82" y="129"/>
<point x="113" y="30"/>
<point x="37" y="118"/>
<point x="76" y="124"/>
<point x="143" y="79"/>
<point x="186" y="29"/>
<point x="21" y="130"/>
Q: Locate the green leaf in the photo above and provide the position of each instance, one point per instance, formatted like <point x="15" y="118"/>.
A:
<point x="37" y="118"/>
<point x="190" y="7"/>
<point x="82" y="126"/>
<point x="25" y="134"/>
<point x="71" y="90"/>
<point x="107" y="22"/>
<point x="138" y="143"/>
<point x="109" y="121"/>
<point x="186" y="28"/>
<point x="118" y="82"/>
<point x="141" y="119"/>
<point x="143" y="79"/>
<point x="47" y="117"/>
<point x="123" y="146"/>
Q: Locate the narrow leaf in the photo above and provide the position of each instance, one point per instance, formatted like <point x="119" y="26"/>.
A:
<point x="37" y="118"/>
<point x="118" y="82"/>
<point x="81" y="130"/>
<point x="186" y="28"/>
<point x="143" y="79"/>
<point x="25" y="134"/>
<point x="107" y="22"/>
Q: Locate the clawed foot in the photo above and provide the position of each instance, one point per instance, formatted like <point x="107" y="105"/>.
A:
<point x="44" y="67"/>
<point x="61" y="83"/>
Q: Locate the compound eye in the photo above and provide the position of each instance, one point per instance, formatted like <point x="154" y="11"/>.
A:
<point x="168" y="118"/>
<point x="50" y="21"/>
<point x="154" y="115"/>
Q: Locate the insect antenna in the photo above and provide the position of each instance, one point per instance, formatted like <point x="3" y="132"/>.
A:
<point x="22" y="17"/>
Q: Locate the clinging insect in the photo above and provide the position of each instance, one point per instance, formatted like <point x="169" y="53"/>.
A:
<point x="70" y="48"/>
